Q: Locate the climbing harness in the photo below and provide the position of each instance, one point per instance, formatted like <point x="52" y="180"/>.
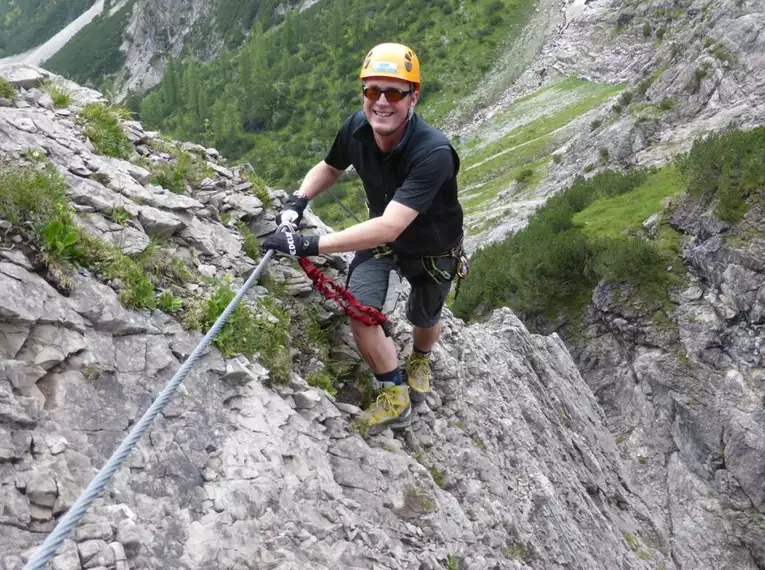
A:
<point x="67" y="523"/>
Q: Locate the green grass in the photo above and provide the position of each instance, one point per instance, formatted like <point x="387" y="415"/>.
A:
<point x="34" y="193"/>
<point x="61" y="97"/>
<point x="323" y="381"/>
<point x="248" y="331"/>
<point x="7" y="89"/>
<point x="185" y="168"/>
<point x="101" y="124"/>
<point x="611" y="217"/>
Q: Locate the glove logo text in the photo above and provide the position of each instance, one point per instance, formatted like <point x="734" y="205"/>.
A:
<point x="291" y="244"/>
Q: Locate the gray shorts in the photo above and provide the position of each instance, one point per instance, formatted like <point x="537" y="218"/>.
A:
<point x="430" y="278"/>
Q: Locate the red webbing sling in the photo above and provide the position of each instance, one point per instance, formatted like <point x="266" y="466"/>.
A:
<point x="340" y="295"/>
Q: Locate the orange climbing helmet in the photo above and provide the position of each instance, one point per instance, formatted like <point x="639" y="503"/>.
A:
<point x="392" y="60"/>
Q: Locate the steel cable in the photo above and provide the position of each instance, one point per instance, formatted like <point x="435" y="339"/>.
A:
<point x="67" y="523"/>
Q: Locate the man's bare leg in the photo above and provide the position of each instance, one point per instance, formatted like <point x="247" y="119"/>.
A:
<point x="376" y="348"/>
<point x="426" y="338"/>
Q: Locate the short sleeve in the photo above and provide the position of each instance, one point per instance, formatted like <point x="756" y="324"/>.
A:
<point x="338" y="156"/>
<point x="425" y="180"/>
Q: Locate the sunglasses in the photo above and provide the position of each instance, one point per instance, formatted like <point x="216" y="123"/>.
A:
<point x="392" y="94"/>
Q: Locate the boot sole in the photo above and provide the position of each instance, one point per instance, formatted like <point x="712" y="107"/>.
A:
<point x="416" y="396"/>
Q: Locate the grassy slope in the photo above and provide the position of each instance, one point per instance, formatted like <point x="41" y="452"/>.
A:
<point x="522" y="136"/>
<point x="611" y="217"/>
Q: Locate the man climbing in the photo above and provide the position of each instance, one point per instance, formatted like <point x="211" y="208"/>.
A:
<point x="409" y="172"/>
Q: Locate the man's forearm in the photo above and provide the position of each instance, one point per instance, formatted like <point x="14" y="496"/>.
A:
<point x="318" y="179"/>
<point x="360" y="236"/>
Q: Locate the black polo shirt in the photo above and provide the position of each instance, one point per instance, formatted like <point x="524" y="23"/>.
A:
<point x="421" y="173"/>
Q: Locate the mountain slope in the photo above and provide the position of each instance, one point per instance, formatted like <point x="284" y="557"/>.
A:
<point x="108" y="277"/>
<point x="26" y="24"/>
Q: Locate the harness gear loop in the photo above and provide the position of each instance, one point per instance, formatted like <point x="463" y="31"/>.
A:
<point x="340" y="295"/>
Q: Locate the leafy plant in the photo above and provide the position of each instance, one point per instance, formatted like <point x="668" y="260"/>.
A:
<point x="169" y="303"/>
<point x="667" y="104"/>
<point x="60" y="238"/>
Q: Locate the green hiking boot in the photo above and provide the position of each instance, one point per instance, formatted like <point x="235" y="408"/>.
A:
<point x="418" y="376"/>
<point x="391" y="409"/>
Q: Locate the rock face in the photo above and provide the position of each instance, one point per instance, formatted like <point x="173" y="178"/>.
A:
<point x="507" y="465"/>
<point x="683" y="391"/>
<point x="158" y="30"/>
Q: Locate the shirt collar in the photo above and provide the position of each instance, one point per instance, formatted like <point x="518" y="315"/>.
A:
<point x="364" y="134"/>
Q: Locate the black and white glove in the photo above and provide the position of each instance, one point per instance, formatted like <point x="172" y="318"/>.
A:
<point x="296" y="203"/>
<point x="294" y="244"/>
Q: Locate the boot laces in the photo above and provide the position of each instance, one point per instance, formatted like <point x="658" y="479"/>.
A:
<point x="385" y="400"/>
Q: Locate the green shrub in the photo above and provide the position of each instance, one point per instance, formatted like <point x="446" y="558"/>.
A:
<point x="169" y="176"/>
<point x="625" y="98"/>
<point x="549" y="266"/>
<point x="647" y="30"/>
<point x="667" y="104"/>
<point x="36" y="194"/>
<point x="727" y="167"/>
<point x="603" y="151"/>
<point x="660" y="32"/>
<point x="628" y="260"/>
<point x="524" y="175"/>
<point x="7" y="89"/>
<point x="594" y="125"/>
<point x="101" y="124"/>
<point x="557" y="158"/>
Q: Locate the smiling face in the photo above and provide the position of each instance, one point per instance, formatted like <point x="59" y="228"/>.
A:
<point x="388" y="120"/>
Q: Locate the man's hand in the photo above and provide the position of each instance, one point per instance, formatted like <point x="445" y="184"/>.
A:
<point x="293" y="244"/>
<point x="298" y="205"/>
